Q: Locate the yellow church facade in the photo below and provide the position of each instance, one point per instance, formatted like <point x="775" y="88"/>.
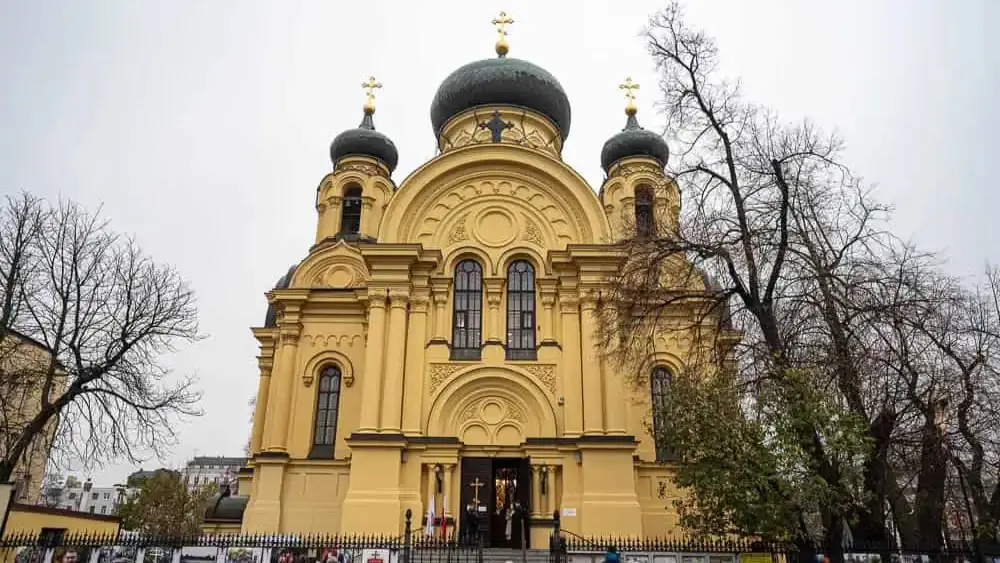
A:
<point x="438" y="348"/>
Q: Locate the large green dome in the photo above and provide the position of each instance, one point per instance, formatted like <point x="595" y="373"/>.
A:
<point x="501" y="81"/>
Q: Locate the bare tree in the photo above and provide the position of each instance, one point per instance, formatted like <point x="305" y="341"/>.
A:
<point x="104" y="314"/>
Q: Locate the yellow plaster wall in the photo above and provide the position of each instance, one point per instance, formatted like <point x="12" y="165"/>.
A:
<point x="383" y="313"/>
<point x="25" y="519"/>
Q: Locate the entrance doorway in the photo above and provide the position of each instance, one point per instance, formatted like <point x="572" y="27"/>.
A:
<point x="496" y="493"/>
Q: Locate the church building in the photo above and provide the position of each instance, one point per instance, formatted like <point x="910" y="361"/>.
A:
<point x="437" y="348"/>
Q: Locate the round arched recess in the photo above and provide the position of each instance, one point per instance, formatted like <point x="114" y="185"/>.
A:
<point x="491" y="406"/>
<point x="455" y="176"/>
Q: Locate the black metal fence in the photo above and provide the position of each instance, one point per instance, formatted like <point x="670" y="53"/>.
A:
<point x="413" y="546"/>
<point x="567" y="547"/>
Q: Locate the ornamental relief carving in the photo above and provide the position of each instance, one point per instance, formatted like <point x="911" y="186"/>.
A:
<point x="532" y="233"/>
<point x="546" y="373"/>
<point x="338" y="266"/>
<point x="439" y="373"/>
<point x="514" y="130"/>
<point x="554" y="221"/>
<point x="369" y="169"/>
<point x="492" y="412"/>
<point x="458" y="233"/>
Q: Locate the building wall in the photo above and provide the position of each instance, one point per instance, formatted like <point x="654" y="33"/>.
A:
<point x="26" y="363"/>
<point x="212" y="470"/>
<point x="26" y="519"/>
<point x="406" y="409"/>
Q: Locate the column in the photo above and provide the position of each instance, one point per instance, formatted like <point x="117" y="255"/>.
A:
<point x="321" y="211"/>
<point x="550" y="491"/>
<point x="615" y="408"/>
<point x="281" y="392"/>
<point x="494" y="295"/>
<point x="369" y="227"/>
<point x="446" y="500"/>
<point x="395" y="358"/>
<point x="331" y="219"/>
<point x="440" y="312"/>
<point x="548" y="293"/>
<point x="593" y="418"/>
<point x="571" y="376"/>
<point x="431" y="488"/>
<point x="260" y="411"/>
<point x="536" y="489"/>
<point x="413" y="376"/>
<point x="371" y="388"/>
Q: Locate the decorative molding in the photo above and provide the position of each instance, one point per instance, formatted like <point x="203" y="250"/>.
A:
<point x="331" y="340"/>
<point x="532" y="233"/>
<point x="369" y="169"/>
<point x="442" y="372"/>
<point x="514" y="412"/>
<point x="546" y="373"/>
<point x="420" y="303"/>
<point x="458" y="233"/>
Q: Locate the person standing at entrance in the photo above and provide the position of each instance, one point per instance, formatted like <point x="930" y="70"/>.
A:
<point x="611" y="555"/>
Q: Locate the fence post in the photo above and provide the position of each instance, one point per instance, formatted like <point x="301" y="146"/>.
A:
<point x="408" y="536"/>
<point x="555" y="540"/>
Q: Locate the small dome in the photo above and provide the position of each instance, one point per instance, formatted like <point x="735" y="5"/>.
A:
<point x="365" y="141"/>
<point x="271" y="316"/>
<point x="633" y="140"/>
<point x="501" y="81"/>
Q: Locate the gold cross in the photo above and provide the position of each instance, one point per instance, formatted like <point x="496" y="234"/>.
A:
<point x="370" y="85"/>
<point x="476" y="484"/>
<point x="629" y="88"/>
<point x="501" y="23"/>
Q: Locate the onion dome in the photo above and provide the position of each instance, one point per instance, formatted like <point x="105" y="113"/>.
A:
<point x="271" y="316"/>
<point x="633" y="140"/>
<point x="501" y="82"/>
<point x="365" y="141"/>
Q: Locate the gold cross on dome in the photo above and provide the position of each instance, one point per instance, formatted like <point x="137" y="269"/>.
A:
<point x="370" y="85"/>
<point x="501" y="22"/>
<point x="629" y="88"/>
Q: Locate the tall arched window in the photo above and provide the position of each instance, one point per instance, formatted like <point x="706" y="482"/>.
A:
<point x="521" y="311"/>
<point x="325" y="432"/>
<point x="350" y="211"/>
<point x="467" y="328"/>
<point x="645" y="222"/>
<point x="659" y="395"/>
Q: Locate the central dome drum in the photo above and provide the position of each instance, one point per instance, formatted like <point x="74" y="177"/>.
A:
<point x="501" y="81"/>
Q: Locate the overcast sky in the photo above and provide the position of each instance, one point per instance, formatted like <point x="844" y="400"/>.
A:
<point x="202" y="126"/>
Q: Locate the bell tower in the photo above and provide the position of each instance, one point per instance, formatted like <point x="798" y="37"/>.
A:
<point x="351" y="200"/>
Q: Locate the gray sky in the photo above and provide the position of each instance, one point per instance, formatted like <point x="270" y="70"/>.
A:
<point x="203" y="126"/>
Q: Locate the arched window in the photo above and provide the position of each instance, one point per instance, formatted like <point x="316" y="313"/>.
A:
<point x="659" y="395"/>
<point x="467" y="328"/>
<point x="521" y="311"/>
<point x="325" y="435"/>
<point x="350" y="211"/>
<point x="645" y="222"/>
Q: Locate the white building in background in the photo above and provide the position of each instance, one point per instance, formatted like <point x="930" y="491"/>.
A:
<point x="213" y="470"/>
<point x="83" y="496"/>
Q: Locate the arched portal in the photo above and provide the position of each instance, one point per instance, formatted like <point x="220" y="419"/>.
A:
<point x="492" y="406"/>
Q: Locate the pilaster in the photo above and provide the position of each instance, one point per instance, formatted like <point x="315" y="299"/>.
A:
<point x="280" y="383"/>
<point x="395" y="357"/>
<point x="265" y="362"/>
<point x="615" y="408"/>
<point x="369" y="226"/>
<point x="609" y="505"/>
<point x="593" y="385"/>
<point x="493" y="349"/>
<point x="371" y="382"/>
<point x="416" y="337"/>
<point x="571" y="369"/>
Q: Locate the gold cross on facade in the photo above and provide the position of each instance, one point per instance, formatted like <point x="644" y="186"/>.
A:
<point x="370" y="85"/>
<point x="501" y="22"/>
<point x="476" y="484"/>
<point x="629" y="88"/>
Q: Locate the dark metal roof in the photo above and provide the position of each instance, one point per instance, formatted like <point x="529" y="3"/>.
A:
<point x="271" y="316"/>
<point x="633" y="140"/>
<point x="226" y="508"/>
<point x="365" y="141"/>
<point x="501" y="81"/>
